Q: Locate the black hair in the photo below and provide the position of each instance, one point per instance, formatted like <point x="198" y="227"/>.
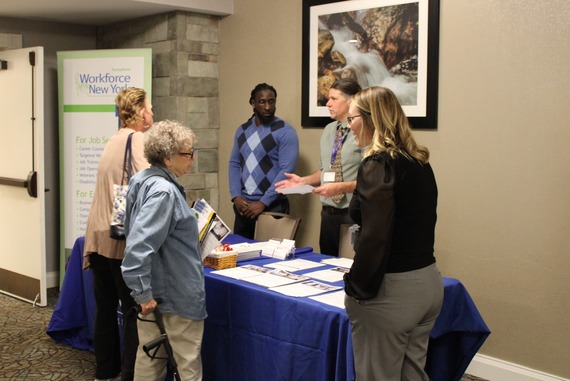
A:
<point x="260" y="87"/>
<point x="347" y="86"/>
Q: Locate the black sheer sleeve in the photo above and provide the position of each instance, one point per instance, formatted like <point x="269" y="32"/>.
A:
<point x="374" y="203"/>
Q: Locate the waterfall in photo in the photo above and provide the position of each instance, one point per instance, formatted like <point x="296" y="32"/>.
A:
<point x="370" y="69"/>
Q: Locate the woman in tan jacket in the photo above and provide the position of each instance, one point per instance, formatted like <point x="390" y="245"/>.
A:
<point x="104" y="254"/>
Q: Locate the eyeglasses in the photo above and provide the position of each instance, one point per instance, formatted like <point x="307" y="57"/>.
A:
<point x="188" y="154"/>
<point x="349" y="119"/>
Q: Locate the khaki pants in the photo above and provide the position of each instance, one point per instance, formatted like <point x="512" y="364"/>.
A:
<point x="185" y="338"/>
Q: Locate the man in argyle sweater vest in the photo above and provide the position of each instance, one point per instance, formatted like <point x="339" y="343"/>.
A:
<point x="265" y="147"/>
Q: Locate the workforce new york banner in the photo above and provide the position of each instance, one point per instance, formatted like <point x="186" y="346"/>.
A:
<point x="88" y="82"/>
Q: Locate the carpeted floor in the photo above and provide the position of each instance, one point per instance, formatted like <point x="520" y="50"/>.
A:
<point x="28" y="353"/>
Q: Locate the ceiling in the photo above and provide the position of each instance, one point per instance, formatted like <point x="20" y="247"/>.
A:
<point x="103" y="12"/>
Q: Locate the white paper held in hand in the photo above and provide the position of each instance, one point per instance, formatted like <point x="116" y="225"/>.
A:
<point x="298" y="189"/>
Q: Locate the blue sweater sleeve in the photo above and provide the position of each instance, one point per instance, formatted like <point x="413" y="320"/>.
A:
<point x="234" y="169"/>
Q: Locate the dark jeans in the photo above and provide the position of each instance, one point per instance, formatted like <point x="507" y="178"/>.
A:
<point x="110" y="288"/>
<point x="246" y="226"/>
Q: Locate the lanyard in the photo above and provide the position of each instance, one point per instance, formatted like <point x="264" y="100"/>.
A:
<point x="337" y="146"/>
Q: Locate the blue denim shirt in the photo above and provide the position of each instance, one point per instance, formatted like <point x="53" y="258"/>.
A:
<point x="162" y="255"/>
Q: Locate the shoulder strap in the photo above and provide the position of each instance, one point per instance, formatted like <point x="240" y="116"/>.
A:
<point x="127" y="161"/>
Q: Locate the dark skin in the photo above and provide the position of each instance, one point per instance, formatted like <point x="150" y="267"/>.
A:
<point x="264" y="106"/>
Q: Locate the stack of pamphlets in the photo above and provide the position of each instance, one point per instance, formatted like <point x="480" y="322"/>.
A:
<point x="247" y="250"/>
<point x="284" y="249"/>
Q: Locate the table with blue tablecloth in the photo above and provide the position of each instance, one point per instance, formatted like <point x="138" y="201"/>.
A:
<point x="253" y="333"/>
<point x="73" y="318"/>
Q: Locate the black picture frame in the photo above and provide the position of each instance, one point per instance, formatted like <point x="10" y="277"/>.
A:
<point x="422" y="114"/>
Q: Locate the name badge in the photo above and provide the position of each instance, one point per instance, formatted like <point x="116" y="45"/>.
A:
<point x="329" y="177"/>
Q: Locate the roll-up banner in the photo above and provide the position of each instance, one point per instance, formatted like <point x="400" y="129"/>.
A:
<point x="88" y="82"/>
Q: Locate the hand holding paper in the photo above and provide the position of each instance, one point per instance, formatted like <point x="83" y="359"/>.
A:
<point x="298" y="189"/>
<point x="293" y="184"/>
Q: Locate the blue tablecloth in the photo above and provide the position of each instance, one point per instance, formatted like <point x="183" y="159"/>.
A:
<point x="73" y="318"/>
<point x="458" y="334"/>
<point x="252" y="333"/>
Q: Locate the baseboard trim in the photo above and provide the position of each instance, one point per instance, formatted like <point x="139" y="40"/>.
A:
<point x="494" y="369"/>
<point x="22" y="286"/>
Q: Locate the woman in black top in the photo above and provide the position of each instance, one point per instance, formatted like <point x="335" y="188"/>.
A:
<point x="394" y="290"/>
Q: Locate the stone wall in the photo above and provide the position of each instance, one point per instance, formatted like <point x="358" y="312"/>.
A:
<point x="184" y="83"/>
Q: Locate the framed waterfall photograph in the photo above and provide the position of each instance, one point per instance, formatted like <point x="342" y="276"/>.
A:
<point x="389" y="43"/>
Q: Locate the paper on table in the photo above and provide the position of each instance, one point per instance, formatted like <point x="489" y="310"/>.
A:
<point x="242" y="272"/>
<point x="342" y="262"/>
<point x="335" y="299"/>
<point x="298" y="189"/>
<point x="276" y="278"/>
<point x="328" y="275"/>
<point x="307" y="288"/>
<point x="295" y="265"/>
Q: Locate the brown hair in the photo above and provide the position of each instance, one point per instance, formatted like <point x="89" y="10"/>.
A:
<point x="347" y="86"/>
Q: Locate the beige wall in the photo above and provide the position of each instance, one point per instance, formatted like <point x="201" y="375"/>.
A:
<point x="500" y="154"/>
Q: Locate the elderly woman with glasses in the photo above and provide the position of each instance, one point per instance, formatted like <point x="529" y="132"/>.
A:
<point x="162" y="257"/>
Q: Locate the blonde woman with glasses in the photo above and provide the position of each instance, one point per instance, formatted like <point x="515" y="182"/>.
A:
<point x="394" y="290"/>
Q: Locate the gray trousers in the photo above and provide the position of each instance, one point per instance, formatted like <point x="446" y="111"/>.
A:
<point x="390" y="333"/>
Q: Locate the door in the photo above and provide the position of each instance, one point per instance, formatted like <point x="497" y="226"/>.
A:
<point x="22" y="198"/>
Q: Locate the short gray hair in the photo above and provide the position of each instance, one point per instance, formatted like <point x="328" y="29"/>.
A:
<point x="166" y="139"/>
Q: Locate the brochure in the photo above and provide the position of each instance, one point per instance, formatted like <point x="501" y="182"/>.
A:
<point x="276" y="278"/>
<point x="333" y="275"/>
<point x="335" y="299"/>
<point x="295" y="265"/>
<point x="242" y="272"/>
<point x="341" y="262"/>
<point x="212" y="230"/>
<point x="306" y="288"/>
